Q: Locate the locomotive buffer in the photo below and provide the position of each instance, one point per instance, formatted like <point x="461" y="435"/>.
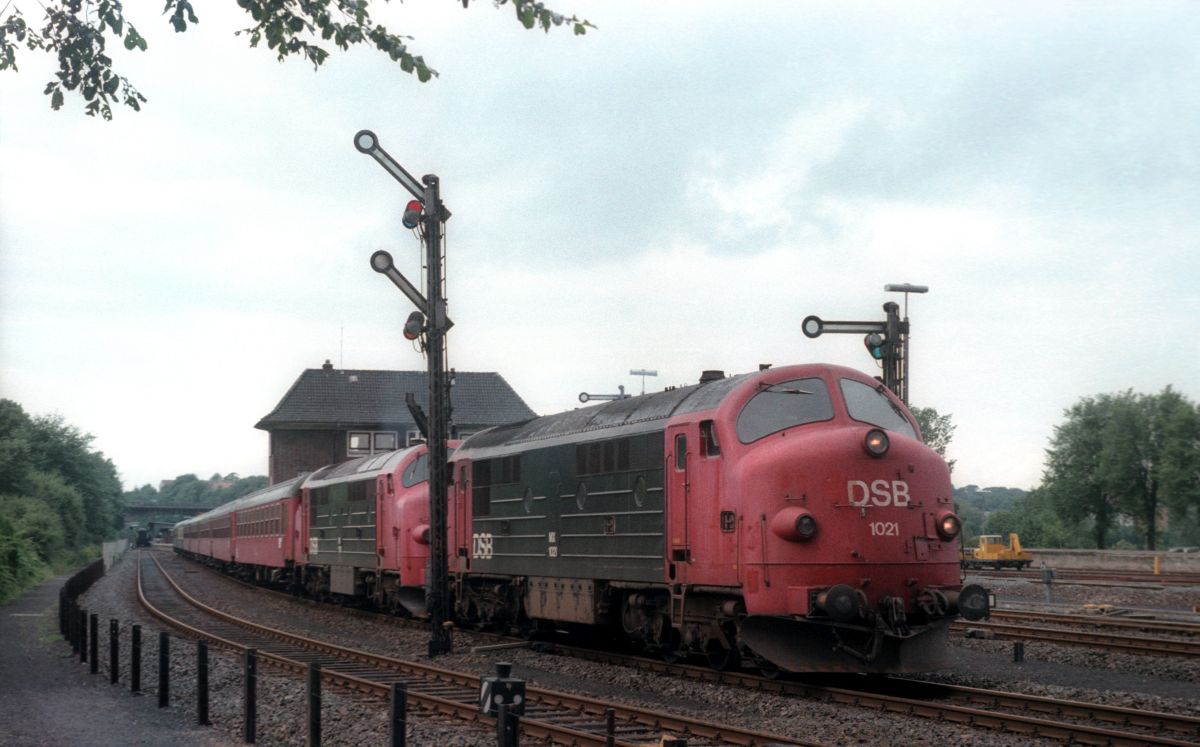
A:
<point x="430" y="322"/>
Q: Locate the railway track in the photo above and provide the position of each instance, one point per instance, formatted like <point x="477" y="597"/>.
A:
<point x="1067" y="575"/>
<point x="559" y="717"/>
<point x="1030" y="715"/>
<point x="1147" y="624"/>
<point x="1019" y="630"/>
<point x="1062" y="720"/>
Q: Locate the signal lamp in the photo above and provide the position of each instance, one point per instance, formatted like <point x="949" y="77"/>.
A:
<point x="412" y="214"/>
<point x="415" y="326"/>
<point x="420" y="534"/>
<point x="948" y="526"/>
<point x="876" y="443"/>
<point x="875" y="344"/>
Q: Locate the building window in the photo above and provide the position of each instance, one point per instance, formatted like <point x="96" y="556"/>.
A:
<point x="365" y="443"/>
<point x="384" y="441"/>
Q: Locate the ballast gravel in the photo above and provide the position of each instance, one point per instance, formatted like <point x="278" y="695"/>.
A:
<point x="1147" y="683"/>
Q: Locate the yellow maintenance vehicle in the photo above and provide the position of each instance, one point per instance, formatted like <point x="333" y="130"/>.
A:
<point x="994" y="553"/>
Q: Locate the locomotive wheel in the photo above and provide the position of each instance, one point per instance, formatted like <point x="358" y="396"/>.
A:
<point x="768" y="670"/>
<point x="670" y="652"/>
<point x="719" y="656"/>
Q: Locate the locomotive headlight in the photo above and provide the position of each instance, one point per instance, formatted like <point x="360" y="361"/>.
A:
<point x="876" y="443"/>
<point x="794" y="524"/>
<point x="948" y="526"/>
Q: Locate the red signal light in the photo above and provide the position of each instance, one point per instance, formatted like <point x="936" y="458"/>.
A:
<point x="412" y="214"/>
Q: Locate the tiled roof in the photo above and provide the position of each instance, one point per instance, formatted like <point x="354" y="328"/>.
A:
<point x="337" y="398"/>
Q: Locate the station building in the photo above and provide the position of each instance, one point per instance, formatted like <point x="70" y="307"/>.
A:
<point x="330" y="415"/>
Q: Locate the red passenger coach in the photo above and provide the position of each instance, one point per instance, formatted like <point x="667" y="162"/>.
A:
<point x="254" y="535"/>
<point x="265" y="532"/>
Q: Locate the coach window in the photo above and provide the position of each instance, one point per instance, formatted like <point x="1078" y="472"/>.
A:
<point x="786" y="404"/>
<point x="709" y="447"/>
<point x="869" y="404"/>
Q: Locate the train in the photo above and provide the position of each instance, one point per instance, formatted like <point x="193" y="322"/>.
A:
<point x="789" y="519"/>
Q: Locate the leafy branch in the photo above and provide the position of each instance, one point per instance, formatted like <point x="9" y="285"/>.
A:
<point x="76" y="32"/>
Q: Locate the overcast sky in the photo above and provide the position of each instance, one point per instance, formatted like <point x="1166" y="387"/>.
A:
<point x="676" y="191"/>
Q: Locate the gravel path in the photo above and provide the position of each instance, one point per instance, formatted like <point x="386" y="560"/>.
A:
<point x="1166" y="683"/>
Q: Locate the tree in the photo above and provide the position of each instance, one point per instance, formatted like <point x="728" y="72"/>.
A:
<point x="937" y="430"/>
<point x="1129" y="455"/>
<point x="1072" y="472"/>
<point x="77" y="32"/>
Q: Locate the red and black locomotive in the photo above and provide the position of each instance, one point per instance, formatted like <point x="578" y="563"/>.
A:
<point x="789" y="518"/>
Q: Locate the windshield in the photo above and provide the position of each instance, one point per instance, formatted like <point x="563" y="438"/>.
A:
<point x="783" y="405"/>
<point x="868" y="404"/>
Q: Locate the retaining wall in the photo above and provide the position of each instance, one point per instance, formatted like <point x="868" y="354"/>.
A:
<point x="1118" y="560"/>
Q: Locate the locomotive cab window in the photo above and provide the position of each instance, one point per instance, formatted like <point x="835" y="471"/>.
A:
<point x="783" y="405"/>
<point x="709" y="447"/>
<point x="416" y="472"/>
<point x="868" y="404"/>
<point x="680" y="452"/>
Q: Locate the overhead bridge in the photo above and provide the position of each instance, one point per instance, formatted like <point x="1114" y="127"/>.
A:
<point x="150" y="509"/>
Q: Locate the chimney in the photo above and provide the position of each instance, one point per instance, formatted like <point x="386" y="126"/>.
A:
<point x="328" y="366"/>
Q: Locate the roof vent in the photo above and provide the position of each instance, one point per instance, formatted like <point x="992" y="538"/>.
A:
<point x="328" y="366"/>
<point x="711" y="375"/>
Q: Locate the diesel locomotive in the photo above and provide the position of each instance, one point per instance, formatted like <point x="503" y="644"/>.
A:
<point x="786" y="519"/>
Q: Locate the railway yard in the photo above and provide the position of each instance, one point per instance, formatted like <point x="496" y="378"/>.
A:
<point x="1122" y="669"/>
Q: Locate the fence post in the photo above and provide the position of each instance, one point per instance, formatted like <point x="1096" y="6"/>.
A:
<point x="610" y="727"/>
<point x="114" y="664"/>
<point x="251" y="707"/>
<point x="314" y="705"/>
<point x="135" y="662"/>
<point x="94" y="642"/>
<point x="399" y="714"/>
<point x="73" y="626"/>
<point x="1018" y="651"/>
<point x="164" y="670"/>
<point x="202" y="683"/>
<point x="83" y="618"/>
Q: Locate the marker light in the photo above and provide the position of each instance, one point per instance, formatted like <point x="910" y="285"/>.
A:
<point x="794" y="524"/>
<point x="412" y="214"/>
<point x="948" y="526"/>
<point x="806" y="526"/>
<point x="876" y="443"/>
<point x="415" y="326"/>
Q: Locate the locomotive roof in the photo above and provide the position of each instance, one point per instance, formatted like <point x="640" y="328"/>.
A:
<point x="260" y="497"/>
<point x="636" y="414"/>
<point x="358" y="469"/>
